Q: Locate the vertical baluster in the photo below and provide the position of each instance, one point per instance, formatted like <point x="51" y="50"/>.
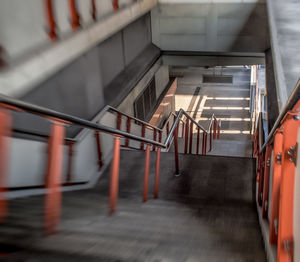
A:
<point x="186" y="136"/>
<point x="154" y="138"/>
<point x="176" y="150"/>
<point x="99" y="151"/>
<point x="119" y="121"/>
<point x="191" y="138"/>
<point x="114" y="176"/>
<point x="54" y="177"/>
<point x="128" y="126"/>
<point x="5" y="133"/>
<point x="146" y="173"/>
<point x="70" y="161"/>
<point x="198" y="140"/>
<point x="266" y="181"/>
<point x="143" y="135"/>
<point x="182" y="133"/>
<point x="215" y="129"/>
<point x="157" y="171"/>
<point x="210" y="138"/>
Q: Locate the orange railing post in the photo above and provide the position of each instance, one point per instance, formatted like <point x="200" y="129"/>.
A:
<point x="186" y="136"/>
<point x="53" y="178"/>
<point x="94" y="10"/>
<point x="286" y="202"/>
<point x="128" y="126"/>
<point x="198" y="138"/>
<point x="99" y="151"/>
<point x="182" y="131"/>
<point x="157" y="170"/>
<point x="176" y="150"/>
<point x="143" y="135"/>
<point x="119" y="121"/>
<point x="277" y="161"/>
<point x="265" y="201"/>
<point x="219" y="131"/>
<point x="215" y="129"/>
<point x="51" y="30"/>
<point x="191" y="138"/>
<point x="210" y="138"/>
<point x="114" y="176"/>
<point x="5" y="133"/>
<point x="154" y="139"/>
<point x="75" y="19"/>
<point x="116" y="4"/>
<point x="146" y="173"/>
<point x="261" y="171"/>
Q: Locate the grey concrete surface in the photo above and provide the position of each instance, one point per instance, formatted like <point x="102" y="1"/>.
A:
<point x="284" y="21"/>
<point x="206" y="214"/>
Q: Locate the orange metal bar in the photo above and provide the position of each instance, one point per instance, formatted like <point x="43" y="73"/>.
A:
<point x="128" y="125"/>
<point x="260" y="173"/>
<point x="186" y="135"/>
<point x="75" y="24"/>
<point x="94" y="10"/>
<point x="119" y="121"/>
<point x="277" y="161"/>
<point x="176" y="150"/>
<point x="182" y="133"/>
<point x="198" y="141"/>
<point x="114" y="176"/>
<point x="286" y="202"/>
<point x="70" y="162"/>
<point x="266" y="181"/>
<point x="5" y="133"/>
<point x="219" y="132"/>
<point x="116" y="4"/>
<point x="146" y="173"/>
<point x="191" y="138"/>
<point x="157" y="170"/>
<point x="160" y="136"/>
<point x="53" y="178"/>
<point x="50" y="20"/>
<point x="210" y="139"/>
<point x="100" y="162"/>
<point x="215" y="129"/>
<point x="143" y="135"/>
<point x="154" y="138"/>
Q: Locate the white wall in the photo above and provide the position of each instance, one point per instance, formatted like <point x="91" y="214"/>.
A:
<point x="210" y="26"/>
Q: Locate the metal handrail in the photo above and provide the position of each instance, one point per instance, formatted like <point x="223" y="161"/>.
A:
<point x="69" y="119"/>
<point x="294" y="97"/>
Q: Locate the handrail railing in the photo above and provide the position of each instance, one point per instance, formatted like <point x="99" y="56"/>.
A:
<point x="55" y="151"/>
<point x="276" y="164"/>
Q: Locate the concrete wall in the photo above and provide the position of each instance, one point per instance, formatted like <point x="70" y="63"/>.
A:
<point x="210" y="26"/>
<point x="78" y="88"/>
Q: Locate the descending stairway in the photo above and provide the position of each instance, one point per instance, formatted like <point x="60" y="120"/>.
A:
<point x="206" y="214"/>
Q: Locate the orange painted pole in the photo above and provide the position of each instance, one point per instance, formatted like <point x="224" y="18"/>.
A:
<point x="54" y="177"/>
<point x="261" y="171"/>
<point x="114" y="176"/>
<point x="191" y="138"/>
<point x="285" y="243"/>
<point x="154" y="138"/>
<point x="265" y="199"/>
<point x="215" y="129"/>
<point x="219" y="132"/>
<point x="75" y="24"/>
<point x="176" y="150"/>
<point x="51" y="30"/>
<point x="146" y="173"/>
<point x="198" y="140"/>
<point x="116" y="4"/>
<point x="186" y="136"/>
<point x="5" y="133"/>
<point x="277" y="161"/>
<point x="128" y="126"/>
<point x="94" y="10"/>
<point x="210" y="138"/>
<point x="157" y="170"/>
<point x="143" y="135"/>
<point x="203" y="143"/>
<point x="182" y="133"/>
<point x="100" y="162"/>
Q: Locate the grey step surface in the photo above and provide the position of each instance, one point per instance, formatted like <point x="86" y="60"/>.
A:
<point x="206" y="214"/>
<point x="221" y="147"/>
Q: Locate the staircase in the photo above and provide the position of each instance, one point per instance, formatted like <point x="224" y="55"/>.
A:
<point x="205" y="214"/>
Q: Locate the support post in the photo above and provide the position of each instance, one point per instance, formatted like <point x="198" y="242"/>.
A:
<point x="176" y="150"/>
<point x="119" y="121"/>
<point x="186" y="136"/>
<point x="115" y="4"/>
<point x="75" y="24"/>
<point x="215" y="129"/>
<point x="277" y="161"/>
<point x="191" y="138"/>
<point x="157" y="170"/>
<point x="143" y="135"/>
<point x="94" y="10"/>
<point x="210" y="138"/>
<point x="114" y="176"/>
<point x="265" y="199"/>
<point x="5" y="133"/>
<point x="128" y="127"/>
<point x="100" y="162"/>
<point x="146" y="173"/>
<point x="53" y="178"/>
<point x="198" y="140"/>
<point x="51" y="30"/>
<point x="154" y="138"/>
<point x="285" y="249"/>
<point x="70" y="161"/>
